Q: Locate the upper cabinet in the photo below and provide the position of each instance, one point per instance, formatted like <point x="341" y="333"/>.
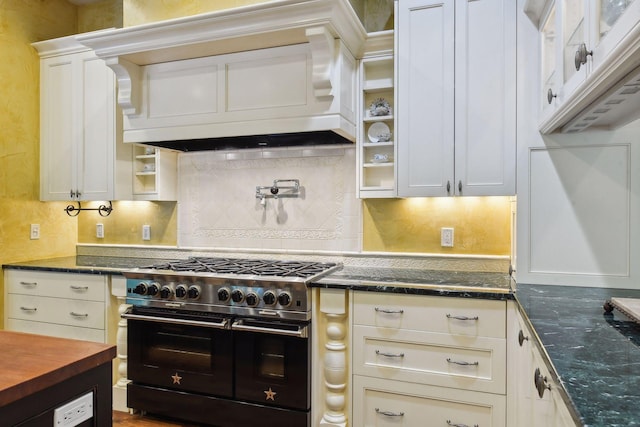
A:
<point x="81" y="154"/>
<point x="456" y="83"/>
<point x="589" y="53"/>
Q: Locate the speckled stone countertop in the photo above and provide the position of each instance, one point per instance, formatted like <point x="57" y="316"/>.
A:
<point x="422" y="282"/>
<point x="596" y="355"/>
<point x="84" y="264"/>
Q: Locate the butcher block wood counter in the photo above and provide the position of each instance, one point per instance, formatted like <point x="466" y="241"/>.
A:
<point x="41" y="373"/>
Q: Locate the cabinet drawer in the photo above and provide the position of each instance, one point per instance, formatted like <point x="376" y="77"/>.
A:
<point x="88" y="314"/>
<point x="470" y="363"/>
<point x="61" y="285"/>
<point x="382" y="403"/>
<point x="460" y="316"/>
<point x="54" y="330"/>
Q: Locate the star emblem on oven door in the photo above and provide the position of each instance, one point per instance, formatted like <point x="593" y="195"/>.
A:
<point x="270" y="394"/>
<point x="176" y="378"/>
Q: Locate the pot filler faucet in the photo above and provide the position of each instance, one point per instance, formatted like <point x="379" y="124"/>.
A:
<point x="278" y="190"/>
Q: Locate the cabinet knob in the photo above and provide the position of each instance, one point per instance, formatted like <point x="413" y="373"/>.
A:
<point x="581" y="56"/>
<point x="448" y="186"/>
<point x="540" y="382"/>
<point x="460" y="186"/>
<point x="551" y="95"/>
<point x="449" y="423"/>
<point x="522" y="338"/>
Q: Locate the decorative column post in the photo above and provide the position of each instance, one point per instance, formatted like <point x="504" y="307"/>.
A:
<point x="333" y="307"/>
<point x="119" y="290"/>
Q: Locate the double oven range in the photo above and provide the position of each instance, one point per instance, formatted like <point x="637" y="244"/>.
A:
<point x="222" y="341"/>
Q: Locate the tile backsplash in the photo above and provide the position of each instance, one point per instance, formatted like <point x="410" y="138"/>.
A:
<point x="218" y="205"/>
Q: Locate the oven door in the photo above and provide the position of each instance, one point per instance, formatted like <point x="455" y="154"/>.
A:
<point x="273" y="363"/>
<point x="180" y="351"/>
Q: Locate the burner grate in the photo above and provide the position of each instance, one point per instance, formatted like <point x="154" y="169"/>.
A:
<point x="245" y="266"/>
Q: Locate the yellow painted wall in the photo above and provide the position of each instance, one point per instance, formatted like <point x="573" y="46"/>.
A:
<point x="482" y="225"/>
<point x="23" y="22"/>
<point x="124" y="225"/>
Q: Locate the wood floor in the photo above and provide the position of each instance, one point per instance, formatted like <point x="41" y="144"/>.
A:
<point x="124" y="419"/>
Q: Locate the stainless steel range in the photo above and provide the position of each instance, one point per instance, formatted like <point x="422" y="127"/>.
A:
<point x="222" y="341"/>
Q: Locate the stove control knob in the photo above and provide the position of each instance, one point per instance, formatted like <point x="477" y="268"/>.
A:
<point x="193" y="292"/>
<point x="237" y="295"/>
<point x="152" y="289"/>
<point x="223" y="294"/>
<point x="252" y="299"/>
<point x="284" y="299"/>
<point x="269" y="298"/>
<point x="165" y="292"/>
<point x="140" y="289"/>
<point x="181" y="291"/>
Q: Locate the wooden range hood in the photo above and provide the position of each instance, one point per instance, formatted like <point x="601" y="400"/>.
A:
<point x="329" y="31"/>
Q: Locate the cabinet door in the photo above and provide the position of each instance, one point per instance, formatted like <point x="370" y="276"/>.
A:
<point x="485" y="97"/>
<point x="96" y="143"/>
<point x="425" y="55"/>
<point x="57" y="152"/>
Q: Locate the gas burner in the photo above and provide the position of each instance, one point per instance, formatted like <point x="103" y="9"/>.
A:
<point x="244" y="267"/>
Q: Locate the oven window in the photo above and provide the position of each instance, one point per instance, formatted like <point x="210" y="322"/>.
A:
<point x="271" y="357"/>
<point x="188" y="350"/>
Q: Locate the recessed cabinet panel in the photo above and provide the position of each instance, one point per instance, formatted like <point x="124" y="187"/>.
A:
<point x="267" y="83"/>
<point x="99" y="127"/>
<point x="183" y="88"/>
<point x="485" y="131"/>
<point x="426" y="90"/>
<point x="575" y="194"/>
<point x="56" y="127"/>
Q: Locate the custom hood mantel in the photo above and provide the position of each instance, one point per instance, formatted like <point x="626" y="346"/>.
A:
<point x="282" y="67"/>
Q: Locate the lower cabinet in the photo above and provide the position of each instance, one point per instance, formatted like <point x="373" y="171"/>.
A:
<point x="534" y="396"/>
<point x="66" y="305"/>
<point x="428" y="359"/>
<point x="381" y="402"/>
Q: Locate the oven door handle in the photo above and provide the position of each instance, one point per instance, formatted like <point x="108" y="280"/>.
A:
<point x="157" y="319"/>
<point x="301" y="332"/>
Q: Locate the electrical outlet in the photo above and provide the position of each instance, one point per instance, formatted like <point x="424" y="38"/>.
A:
<point x="75" y="412"/>
<point x="446" y="237"/>
<point x="100" y="231"/>
<point x="34" y="233"/>
<point x="146" y="232"/>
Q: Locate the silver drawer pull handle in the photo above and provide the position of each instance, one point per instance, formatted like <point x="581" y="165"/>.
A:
<point x="74" y="314"/>
<point x="79" y="288"/>
<point x="31" y="284"/>
<point x="389" y="413"/>
<point x="381" y="353"/>
<point x="462" y="362"/>
<point x="449" y="423"/>
<point x="449" y="316"/>
<point x="28" y="309"/>
<point x="387" y="311"/>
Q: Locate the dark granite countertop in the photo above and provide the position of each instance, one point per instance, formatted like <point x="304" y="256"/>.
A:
<point x="422" y="282"/>
<point x="83" y="264"/>
<point x="596" y="355"/>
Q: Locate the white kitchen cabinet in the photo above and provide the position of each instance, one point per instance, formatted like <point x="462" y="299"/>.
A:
<point x="376" y="133"/>
<point x="154" y="173"/>
<point x="527" y="404"/>
<point x="81" y="152"/>
<point x="456" y="82"/>
<point x="66" y="305"/>
<point x="406" y="369"/>
<point x="594" y="45"/>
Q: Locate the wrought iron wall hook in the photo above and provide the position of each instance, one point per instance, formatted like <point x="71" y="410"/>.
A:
<point x="103" y="210"/>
